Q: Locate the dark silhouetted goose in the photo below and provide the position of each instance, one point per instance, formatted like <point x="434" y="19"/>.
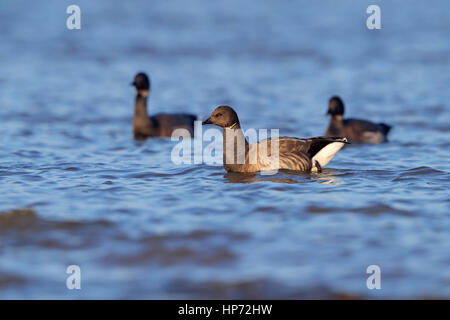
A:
<point x="293" y="154"/>
<point x="159" y="125"/>
<point x="359" y="131"/>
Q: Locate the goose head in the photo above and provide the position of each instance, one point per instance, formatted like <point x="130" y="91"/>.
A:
<point x="335" y="106"/>
<point x="223" y="116"/>
<point x="141" y="83"/>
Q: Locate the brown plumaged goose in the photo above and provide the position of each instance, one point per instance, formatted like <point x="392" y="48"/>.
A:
<point x="159" y="125"/>
<point x="293" y="154"/>
<point x="355" y="130"/>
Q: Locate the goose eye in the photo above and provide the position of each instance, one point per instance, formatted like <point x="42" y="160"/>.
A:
<point x="218" y="115"/>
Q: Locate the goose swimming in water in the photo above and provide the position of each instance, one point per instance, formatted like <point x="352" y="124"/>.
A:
<point x="293" y="154"/>
<point x="355" y="130"/>
<point x="159" y="125"/>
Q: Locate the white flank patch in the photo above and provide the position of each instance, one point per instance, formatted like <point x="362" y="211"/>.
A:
<point x="327" y="153"/>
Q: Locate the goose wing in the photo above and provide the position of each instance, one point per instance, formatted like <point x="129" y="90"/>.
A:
<point x="175" y="119"/>
<point x="366" y="131"/>
<point x="360" y="126"/>
<point x="169" y="122"/>
<point x="310" y="146"/>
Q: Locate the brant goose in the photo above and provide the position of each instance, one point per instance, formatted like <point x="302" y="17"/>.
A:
<point x="355" y="130"/>
<point x="294" y="154"/>
<point x="159" y="125"/>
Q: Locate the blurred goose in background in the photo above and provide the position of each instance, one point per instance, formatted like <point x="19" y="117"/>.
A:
<point x="159" y="125"/>
<point x="355" y="130"/>
<point x="294" y="154"/>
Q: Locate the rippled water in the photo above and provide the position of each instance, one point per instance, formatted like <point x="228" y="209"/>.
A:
<point x="77" y="189"/>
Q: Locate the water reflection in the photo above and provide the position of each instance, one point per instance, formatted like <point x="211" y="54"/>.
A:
<point x="327" y="176"/>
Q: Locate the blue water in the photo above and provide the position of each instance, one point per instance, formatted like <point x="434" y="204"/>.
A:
<point x="75" y="188"/>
